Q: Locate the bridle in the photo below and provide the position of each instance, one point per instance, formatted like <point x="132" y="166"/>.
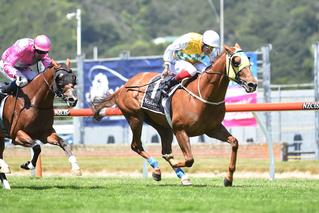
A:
<point x="232" y="72"/>
<point x="62" y="77"/>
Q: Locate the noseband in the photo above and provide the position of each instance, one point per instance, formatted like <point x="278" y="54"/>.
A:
<point x="62" y="77"/>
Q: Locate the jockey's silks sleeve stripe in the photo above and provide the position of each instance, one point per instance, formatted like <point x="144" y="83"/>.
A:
<point x="192" y="58"/>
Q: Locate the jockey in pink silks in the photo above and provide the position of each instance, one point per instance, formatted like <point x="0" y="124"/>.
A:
<point x="16" y="61"/>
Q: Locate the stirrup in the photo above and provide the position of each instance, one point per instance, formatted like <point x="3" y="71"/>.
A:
<point x="165" y="93"/>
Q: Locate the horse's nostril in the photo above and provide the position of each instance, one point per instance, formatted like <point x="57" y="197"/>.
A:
<point x="252" y="85"/>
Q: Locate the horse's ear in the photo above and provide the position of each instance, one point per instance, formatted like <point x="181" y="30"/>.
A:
<point x="237" y="46"/>
<point x="68" y="63"/>
<point x="227" y="48"/>
<point x="54" y="63"/>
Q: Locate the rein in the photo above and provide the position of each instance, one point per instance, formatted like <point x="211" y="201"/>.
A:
<point x="144" y="85"/>
<point x="15" y="104"/>
<point x="50" y="89"/>
<point x="200" y="97"/>
<point x="47" y="83"/>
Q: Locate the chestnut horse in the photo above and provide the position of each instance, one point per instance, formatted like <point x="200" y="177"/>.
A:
<point x="198" y="108"/>
<point x="28" y="115"/>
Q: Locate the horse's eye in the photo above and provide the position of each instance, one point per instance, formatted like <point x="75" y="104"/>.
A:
<point x="236" y="61"/>
<point x="74" y="79"/>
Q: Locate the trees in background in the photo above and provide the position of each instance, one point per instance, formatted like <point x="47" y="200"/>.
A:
<point x="119" y="25"/>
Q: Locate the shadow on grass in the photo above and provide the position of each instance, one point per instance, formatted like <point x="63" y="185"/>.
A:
<point x="58" y="187"/>
<point x="181" y="186"/>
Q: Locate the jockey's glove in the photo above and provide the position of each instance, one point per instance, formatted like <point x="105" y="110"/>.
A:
<point x="21" y="81"/>
<point x="166" y="70"/>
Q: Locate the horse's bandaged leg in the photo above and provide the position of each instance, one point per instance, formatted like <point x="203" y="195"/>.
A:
<point x="185" y="181"/>
<point x="73" y="162"/>
<point x="153" y="162"/>
<point x="179" y="172"/>
<point x="4" y="167"/>
<point x="30" y="166"/>
<point x="5" y="182"/>
<point x="156" y="174"/>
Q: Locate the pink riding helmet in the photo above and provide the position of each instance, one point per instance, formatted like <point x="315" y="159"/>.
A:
<point x="43" y="43"/>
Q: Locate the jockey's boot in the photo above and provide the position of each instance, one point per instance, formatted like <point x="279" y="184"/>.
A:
<point x="9" y="89"/>
<point x="169" y="83"/>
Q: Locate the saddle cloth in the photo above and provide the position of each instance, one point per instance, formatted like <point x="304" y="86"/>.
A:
<point x="153" y="96"/>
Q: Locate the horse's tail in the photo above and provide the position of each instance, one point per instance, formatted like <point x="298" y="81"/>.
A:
<point x="97" y="106"/>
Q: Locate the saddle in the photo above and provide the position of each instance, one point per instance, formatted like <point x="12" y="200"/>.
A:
<point x="7" y="89"/>
<point x="154" y="93"/>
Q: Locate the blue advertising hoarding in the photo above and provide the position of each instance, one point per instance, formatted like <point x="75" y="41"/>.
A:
<point x="109" y="75"/>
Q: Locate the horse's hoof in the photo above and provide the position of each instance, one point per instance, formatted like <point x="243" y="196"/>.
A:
<point x="5" y="184"/>
<point x="185" y="181"/>
<point x="227" y="182"/>
<point x="97" y="117"/>
<point x="156" y="174"/>
<point x="27" y="166"/>
<point x="77" y="172"/>
<point x="5" y="170"/>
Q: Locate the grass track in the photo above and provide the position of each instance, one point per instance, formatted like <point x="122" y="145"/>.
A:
<point x="68" y="194"/>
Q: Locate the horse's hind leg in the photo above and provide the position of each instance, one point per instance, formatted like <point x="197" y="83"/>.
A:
<point x="136" y="125"/>
<point x="54" y="139"/>
<point x="166" y="135"/>
<point x="221" y="133"/>
<point x="4" y="168"/>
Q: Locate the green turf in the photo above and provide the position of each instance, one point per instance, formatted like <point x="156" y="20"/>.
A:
<point x="133" y="164"/>
<point x="66" y="194"/>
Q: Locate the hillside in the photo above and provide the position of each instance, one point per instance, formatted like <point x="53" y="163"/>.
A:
<point x="118" y="25"/>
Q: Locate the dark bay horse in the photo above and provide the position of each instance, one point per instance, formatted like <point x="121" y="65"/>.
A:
<point x="28" y="115"/>
<point x="197" y="109"/>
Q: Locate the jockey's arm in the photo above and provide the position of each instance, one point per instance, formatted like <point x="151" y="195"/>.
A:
<point x="46" y="60"/>
<point x="8" y="64"/>
<point x="169" y="54"/>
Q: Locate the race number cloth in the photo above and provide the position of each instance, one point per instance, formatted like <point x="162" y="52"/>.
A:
<point x="152" y="97"/>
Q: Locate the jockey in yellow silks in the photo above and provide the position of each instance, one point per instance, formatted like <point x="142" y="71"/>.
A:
<point x="188" y="54"/>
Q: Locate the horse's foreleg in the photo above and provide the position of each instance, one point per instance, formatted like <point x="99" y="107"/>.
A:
<point x="136" y="125"/>
<point x="36" y="150"/>
<point x="221" y="133"/>
<point x="56" y="140"/>
<point x="166" y="139"/>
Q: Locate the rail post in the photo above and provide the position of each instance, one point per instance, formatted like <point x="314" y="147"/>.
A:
<point x="266" y="83"/>
<point x="316" y="84"/>
<point x="78" y="121"/>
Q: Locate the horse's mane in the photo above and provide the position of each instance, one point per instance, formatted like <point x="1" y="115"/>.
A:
<point x="220" y="54"/>
<point x="61" y="66"/>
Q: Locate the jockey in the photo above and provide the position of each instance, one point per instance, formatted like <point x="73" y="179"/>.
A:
<point x="16" y="61"/>
<point x="188" y="54"/>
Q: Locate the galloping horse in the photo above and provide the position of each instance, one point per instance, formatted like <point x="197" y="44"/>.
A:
<point x="197" y="109"/>
<point x="28" y="115"/>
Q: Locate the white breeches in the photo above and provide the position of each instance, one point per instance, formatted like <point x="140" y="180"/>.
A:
<point x="23" y="72"/>
<point x="192" y="69"/>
